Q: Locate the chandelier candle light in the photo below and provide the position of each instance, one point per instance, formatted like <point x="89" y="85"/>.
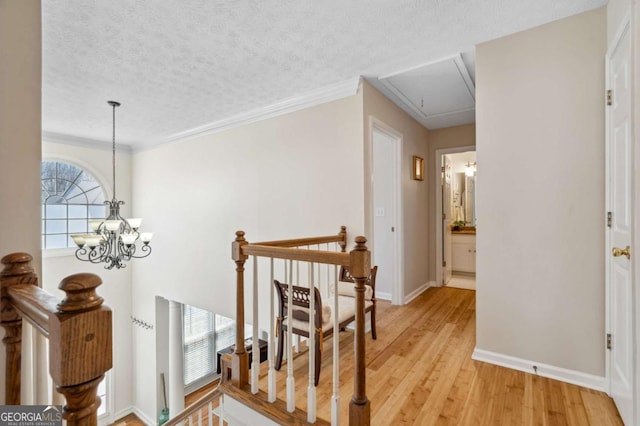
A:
<point x="114" y="239"/>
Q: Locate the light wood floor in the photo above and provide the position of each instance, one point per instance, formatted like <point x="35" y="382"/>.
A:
<point x="420" y="372"/>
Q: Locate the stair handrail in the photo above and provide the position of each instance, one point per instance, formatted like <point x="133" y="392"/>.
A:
<point x="359" y="263"/>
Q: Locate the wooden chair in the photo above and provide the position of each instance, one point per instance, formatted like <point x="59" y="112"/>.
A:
<point x="370" y="294"/>
<point x="300" y="300"/>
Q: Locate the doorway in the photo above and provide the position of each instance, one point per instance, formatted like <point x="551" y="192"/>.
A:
<point x="386" y="211"/>
<point x="455" y="186"/>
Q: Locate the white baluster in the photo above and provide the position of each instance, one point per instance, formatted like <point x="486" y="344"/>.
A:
<point x="210" y="413"/>
<point x="297" y="336"/>
<point x="335" y="398"/>
<point x="311" y="390"/>
<point x="221" y="411"/>
<point x="200" y="417"/>
<point x="255" y="356"/>
<point x="291" y="383"/>
<point x="271" y="378"/>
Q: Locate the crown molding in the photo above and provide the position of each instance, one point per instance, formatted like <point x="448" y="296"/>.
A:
<point x="308" y="99"/>
<point x="61" y="138"/>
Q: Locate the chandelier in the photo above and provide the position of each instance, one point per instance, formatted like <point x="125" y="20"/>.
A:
<point x="114" y="240"/>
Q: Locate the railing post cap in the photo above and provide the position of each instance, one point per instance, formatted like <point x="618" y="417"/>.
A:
<point x="80" y="290"/>
<point x="240" y="236"/>
<point x="17" y="264"/>
<point x="361" y="242"/>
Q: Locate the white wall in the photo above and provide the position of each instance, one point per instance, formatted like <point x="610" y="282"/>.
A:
<point x="296" y="175"/>
<point x="116" y="286"/>
<point x="20" y="122"/>
<point x="540" y="144"/>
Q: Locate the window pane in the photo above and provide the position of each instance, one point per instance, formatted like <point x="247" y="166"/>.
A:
<point x="56" y="241"/>
<point x="56" y="211"/>
<point x="56" y="226"/>
<point x="77" y="226"/>
<point x="95" y="195"/>
<point x="77" y="211"/>
<point x="199" y="353"/>
<point x="49" y="185"/>
<point x="48" y="169"/>
<point x="97" y="212"/>
<point x="68" y="193"/>
<point x="75" y="195"/>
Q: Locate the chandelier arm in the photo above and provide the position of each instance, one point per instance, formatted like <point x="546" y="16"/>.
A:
<point x="146" y="249"/>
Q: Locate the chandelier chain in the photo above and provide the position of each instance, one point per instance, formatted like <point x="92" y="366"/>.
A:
<point x="114" y="150"/>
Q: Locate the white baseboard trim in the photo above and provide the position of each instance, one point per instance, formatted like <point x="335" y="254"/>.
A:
<point x="143" y="416"/>
<point x="122" y="413"/>
<point x="417" y="292"/>
<point x="381" y="295"/>
<point x="552" y="372"/>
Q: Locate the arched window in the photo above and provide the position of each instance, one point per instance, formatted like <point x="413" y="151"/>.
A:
<point x="70" y="197"/>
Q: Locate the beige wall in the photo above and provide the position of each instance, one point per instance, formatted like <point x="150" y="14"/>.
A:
<point x="20" y="122"/>
<point x="540" y="143"/>
<point x="414" y="193"/>
<point x="296" y="175"/>
<point x="450" y="137"/>
<point x="635" y="108"/>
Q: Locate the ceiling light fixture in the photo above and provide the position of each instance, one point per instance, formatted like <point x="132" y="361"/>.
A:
<point x="114" y="239"/>
<point x="470" y="169"/>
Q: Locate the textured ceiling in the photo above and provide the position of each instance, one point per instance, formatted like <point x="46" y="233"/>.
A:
<point x="180" y="64"/>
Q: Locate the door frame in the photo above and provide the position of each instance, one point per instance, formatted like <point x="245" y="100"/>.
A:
<point x="438" y="185"/>
<point x="625" y="27"/>
<point x="375" y="124"/>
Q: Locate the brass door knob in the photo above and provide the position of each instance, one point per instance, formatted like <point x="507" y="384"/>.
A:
<point x="622" y="252"/>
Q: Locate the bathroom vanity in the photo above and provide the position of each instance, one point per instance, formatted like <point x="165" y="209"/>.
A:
<point x="463" y="250"/>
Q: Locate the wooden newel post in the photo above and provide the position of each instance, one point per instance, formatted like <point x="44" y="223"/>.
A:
<point x="17" y="270"/>
<point x="360" y="268"/>
<point x="80" y="347"/>
<point x="240" y="357"/>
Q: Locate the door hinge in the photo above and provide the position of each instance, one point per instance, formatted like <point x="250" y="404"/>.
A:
<point x="442" y="169"/>
<point x="609" y="341"/>
<point x="444" y="216"/>
<point x="609" y="97"/>
<point x="609" y="216"/>
<point x="444" y="263"/>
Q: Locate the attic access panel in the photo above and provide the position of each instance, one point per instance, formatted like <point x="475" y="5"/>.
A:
<point x="435" y="89"/>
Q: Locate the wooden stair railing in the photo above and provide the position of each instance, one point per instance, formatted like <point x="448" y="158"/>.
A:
<point x="78" y="328"/>
<point x="359" y="263"/>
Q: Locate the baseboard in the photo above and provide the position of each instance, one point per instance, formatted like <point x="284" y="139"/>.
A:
<point x="552" y="372"/>
<point x="383" y="296"/>
<point x="122" y="413"/>
<point x="417" y="292"/>
<point x="143" y="416"/>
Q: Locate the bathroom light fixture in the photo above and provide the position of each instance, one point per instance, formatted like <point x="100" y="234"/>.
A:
<point x="114" y="239"/>
<point x="470" y="169"/>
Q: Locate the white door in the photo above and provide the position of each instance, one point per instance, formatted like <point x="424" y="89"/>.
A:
<point x="446" y="220"/>
<point x="384" y="213"/>
<point x="620" y="172"/>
